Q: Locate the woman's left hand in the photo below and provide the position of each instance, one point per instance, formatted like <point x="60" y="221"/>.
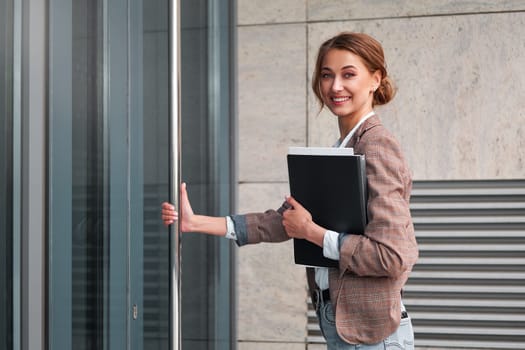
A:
<point x="298" y="223"/>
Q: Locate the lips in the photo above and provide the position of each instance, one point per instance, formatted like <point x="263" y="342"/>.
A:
<point x="339" y="99"/>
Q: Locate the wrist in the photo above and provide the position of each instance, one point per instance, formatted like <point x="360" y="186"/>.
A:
<point x="315" y="233"/>
<point x="192" y="223"/>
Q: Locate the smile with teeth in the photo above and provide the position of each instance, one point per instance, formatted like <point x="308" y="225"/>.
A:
<point x="340" y="99"/>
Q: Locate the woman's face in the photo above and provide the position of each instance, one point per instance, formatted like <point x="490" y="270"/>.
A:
<point x="346" y="84"/>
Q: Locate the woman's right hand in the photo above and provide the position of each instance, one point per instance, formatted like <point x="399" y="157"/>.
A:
<point x="169" y="215"/>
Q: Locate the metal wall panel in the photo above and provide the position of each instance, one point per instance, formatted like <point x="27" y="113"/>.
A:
<point x="468" y="287"/>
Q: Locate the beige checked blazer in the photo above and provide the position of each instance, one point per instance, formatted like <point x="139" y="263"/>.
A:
<point x="373" y="268"/>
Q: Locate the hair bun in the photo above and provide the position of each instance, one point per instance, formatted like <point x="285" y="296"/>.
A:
<point x="385" y="92"/>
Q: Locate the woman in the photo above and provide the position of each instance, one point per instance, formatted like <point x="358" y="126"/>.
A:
<point x="358" y="303"/>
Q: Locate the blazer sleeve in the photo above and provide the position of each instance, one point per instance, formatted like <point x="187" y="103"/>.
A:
<point x="388" y="247"/>
<point x="255" y="228"/>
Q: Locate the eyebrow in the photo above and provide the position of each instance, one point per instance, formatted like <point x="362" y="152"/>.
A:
<point x="345" y="67"/>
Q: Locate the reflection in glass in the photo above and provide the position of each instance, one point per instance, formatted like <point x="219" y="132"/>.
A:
<point x="206" y="274"/>
<point x="155" y="174"/>
<point x="89" y="217"/>
<point x="207" y="307"/>
<point x="6" y="179"/>
<point x="99" y="178"/>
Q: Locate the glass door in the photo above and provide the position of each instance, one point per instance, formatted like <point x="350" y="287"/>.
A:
<point x="90" y="301"/>
<point x="108" y="173"/>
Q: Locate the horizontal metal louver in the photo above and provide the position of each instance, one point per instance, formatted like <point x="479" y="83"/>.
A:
<point x="468" y="287"/>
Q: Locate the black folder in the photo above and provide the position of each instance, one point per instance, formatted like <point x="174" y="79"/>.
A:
<point x="331" y="184"/>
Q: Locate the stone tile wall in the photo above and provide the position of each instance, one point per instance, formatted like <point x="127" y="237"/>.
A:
<point x="459" y="114"/>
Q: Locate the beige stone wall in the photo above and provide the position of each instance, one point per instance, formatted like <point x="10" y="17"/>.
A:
<point x="459" y="114"/>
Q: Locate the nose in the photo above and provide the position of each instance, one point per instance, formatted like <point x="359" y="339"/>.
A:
<point x="337" y="84"/>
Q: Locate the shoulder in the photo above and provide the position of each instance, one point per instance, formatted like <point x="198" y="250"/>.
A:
<point x="373" y="134"/>
<point x="384" y="157"/>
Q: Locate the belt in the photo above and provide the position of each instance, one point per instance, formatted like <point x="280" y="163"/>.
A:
<point x="324" y="296"/>
<point x="321" y="296"/>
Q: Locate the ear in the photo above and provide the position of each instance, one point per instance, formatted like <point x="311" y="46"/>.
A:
<point x="376" y="80"/>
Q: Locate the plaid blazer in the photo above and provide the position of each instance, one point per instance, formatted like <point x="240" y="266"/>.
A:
<point x="373" y="268"/>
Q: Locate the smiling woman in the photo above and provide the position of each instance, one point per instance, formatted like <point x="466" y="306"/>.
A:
<point x="372" y="267"/>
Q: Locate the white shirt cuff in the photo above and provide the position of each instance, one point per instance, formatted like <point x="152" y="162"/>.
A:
<point x="230" y="229"/>
<point x="331" y="245"/>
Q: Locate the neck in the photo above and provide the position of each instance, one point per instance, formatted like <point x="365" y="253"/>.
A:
<point x="347" y="123"/>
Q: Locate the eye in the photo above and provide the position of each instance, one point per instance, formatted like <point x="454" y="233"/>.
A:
<point x="326" y="75"/>
<point x="348" y="75"/>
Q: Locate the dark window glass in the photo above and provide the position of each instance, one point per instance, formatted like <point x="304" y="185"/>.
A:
<point x="89" y="224"/>
<point x="207" y="305"/>
<point x="207" y="308"/>
<point x="155" y="173"/>
<point x="6" y="178"/>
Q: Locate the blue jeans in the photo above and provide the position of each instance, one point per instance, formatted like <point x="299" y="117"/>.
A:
<point x="401" y="339"/>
